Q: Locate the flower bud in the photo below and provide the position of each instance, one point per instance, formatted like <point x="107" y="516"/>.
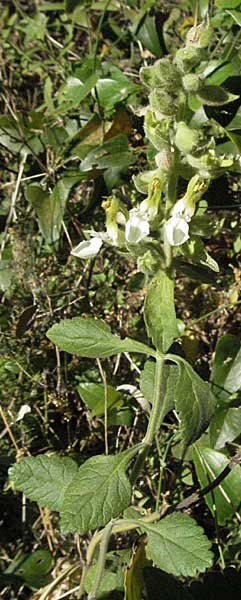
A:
<point x="162" y="103"/>
<point x="187" y="58"/>
<point x="186" y="138"/>
<point x="191" y="83"/>
<point x="164" y="159"/>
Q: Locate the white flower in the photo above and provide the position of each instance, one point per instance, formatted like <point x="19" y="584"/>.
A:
<point x="176" y="230"/>
<point x="137" y="227"/>
<point x="182" y="209"/>
<point x="87" y="248"/>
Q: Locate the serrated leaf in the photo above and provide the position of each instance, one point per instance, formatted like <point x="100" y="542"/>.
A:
<point x="44" y="478"/>
<point x="99" y="492"/>
<point x="225" y="499"/>
<point x="178" y="545"/>
<point x="92" y="338"/>
<point x="194" y="401"/>
<point x="159" y="312"/>
<point x="214" y="95"/>
<point x="93" y="395"/>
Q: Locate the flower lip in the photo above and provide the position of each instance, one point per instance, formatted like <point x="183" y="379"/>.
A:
<point x="176" y="230"/>
<point x="137" y="227"/>
<point x="87" y="248"/>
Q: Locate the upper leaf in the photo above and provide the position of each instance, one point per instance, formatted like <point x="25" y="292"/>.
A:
<point x="159" y="312"/>
<point x="194" y="400"/>
<point x="99" y="492"/>
<point x="44" y="478"/>
<point x="92" y="338"/>
<point x="178" y="545"/>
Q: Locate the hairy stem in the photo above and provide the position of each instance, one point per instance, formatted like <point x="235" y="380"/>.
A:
<point x="101" y="560"/>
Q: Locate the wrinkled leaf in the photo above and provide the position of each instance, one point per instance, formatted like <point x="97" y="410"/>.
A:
<point x="159" y="312"/>
<point x="93" y="395"/>
<point x="178" y="545"/>
<point x="92" y="338"/>
<point x="99" y="492"/>
<point x="194" y="401"/>
<point x="44" y="478"/>
<point x="227" y="496"/>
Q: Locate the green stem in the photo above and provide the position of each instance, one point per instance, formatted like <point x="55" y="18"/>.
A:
<point x="101" y="560"/>
<point x="154" y="419"/>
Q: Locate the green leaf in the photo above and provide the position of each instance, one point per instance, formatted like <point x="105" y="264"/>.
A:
<point x="227" y="3"/>
<point x="134" y="583"/>
<point x="213" y="95"/>
<point x="225" y="499"/>
<point x="159" y="312"/>
<point x="75" y="91"/>
<point x="71" y="5"/>
<point x="147" y="384"/>
<point x="112" y="91"/>
<point x="148" y="36"/>
<point x="44" y="478"/>
<point x="112" y="578"/>
<point x="194" y="401"/>
<point x="50" y="207"/>
<point x="226" y="372"/>
<point x="99" y="492"/>
<point x="225" y="427"/>
<point x="112" y="154"/>
<point x="92" y="338"/>
<point x="236" y="15"/>
<point x="93" y="395"/>
<point x="178" y="545"/>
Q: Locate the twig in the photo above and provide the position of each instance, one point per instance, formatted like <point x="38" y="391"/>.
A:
<point x="12" y="213"/>
<point x="103" y="377"/>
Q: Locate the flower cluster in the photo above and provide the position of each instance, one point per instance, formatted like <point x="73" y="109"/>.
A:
<point x="184" y="141"/>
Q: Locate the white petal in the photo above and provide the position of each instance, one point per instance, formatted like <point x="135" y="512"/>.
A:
<point x="137" y="228"/>
<point x="176" y="230"/>
<point x="182" y="209"/>
<point x="88" y="248"/>
<point x="24" y="410"/>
